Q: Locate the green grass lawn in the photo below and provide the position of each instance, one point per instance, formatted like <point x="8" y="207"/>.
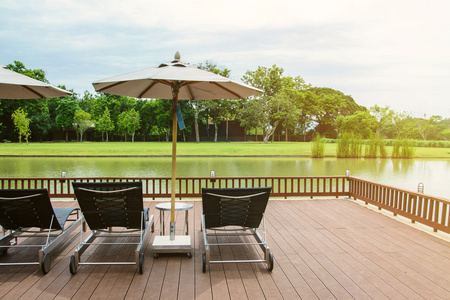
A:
<point x="190" y="149"/>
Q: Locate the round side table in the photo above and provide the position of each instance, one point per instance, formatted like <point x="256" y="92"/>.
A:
<point x="179" y="206"/>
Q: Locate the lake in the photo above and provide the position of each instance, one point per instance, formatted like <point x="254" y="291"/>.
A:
<point x="402" y="173"/>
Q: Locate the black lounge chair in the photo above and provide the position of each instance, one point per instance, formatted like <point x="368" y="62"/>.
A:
<point x="112" y="204"/>
<point x="22" y="211"/>
<point x="235" y="212"/>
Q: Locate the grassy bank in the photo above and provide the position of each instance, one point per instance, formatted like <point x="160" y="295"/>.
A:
<point x="190" y="149"/>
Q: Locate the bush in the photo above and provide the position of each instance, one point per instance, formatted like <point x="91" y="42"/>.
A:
<point x="383" y="152"/>
<point x="408" y="149"/>
<point x="432" y="144"/>
<point x="318" y="147"/>
<point x="371" y="149"/>
<point x="343" y="145"/>
<point x="396" y="148"/>
<point x="349" y="146"/>
<point x="375" y="147"/>
<point x="403" y="148"/>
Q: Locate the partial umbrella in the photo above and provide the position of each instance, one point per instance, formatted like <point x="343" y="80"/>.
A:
<point x="14" y="85"/>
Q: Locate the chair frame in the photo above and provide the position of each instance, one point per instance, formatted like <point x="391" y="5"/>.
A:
<point x="50" y="228"/>
<point x="141" y="232"/>
<point x="235" y="230"/>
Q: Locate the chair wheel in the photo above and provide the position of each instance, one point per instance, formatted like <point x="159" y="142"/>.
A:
<point x="72" y="266"/>
<point x="204" y="262"/>
<point x="141" y="263"/>
<point x="270" y="265"/>
<point x="189" y="254"/>
<point x="46" y="263"/>
<point x="155" y="255"/>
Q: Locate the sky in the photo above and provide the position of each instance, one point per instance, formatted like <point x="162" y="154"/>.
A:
<point x="392" y="53"/>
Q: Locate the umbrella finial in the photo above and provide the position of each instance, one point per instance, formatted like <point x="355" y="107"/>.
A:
<point x="177" y="56"/>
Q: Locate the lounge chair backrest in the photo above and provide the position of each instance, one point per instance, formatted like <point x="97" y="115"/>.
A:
<point x="110" y="204"/>
<point x="26" y="208"/>
<point x="234" y="206"/>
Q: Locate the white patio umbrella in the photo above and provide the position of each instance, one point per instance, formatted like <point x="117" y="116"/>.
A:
<point x="17" y="86"/>
<point x="177" y="81"/>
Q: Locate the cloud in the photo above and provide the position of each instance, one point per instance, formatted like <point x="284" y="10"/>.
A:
<point x="380" y="52"/>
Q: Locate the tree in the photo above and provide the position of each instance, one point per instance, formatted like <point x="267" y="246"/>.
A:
<point x="83" y="121"/>
<point x="361" y="124"/>
<point x="230" y="107"/>
<point x="385" y="119"/>
<point x="273" y="103"/>
<point x="188" y="112"/>
<point x="19" y="67"/>
<point x="331" y="104"/>
<point x="217" y="109"/>
<point x="104" y="124"/>
<point x="164" y="117"/>
<point x="404" y="125"/>
<point x="430" y="129"/>
<point x="107" y="101"/>
<point x="248" y="114"/>
<point x="445" y="134"/>
<point x="309" y="109"/>
<point x="22" y="124"/>
<point x="67" y="106"/>
<point x="86" y="102"/>
<point x="40" y="119"/>
<point x="216" y="113"/>
<point x="198" y="108"/>
<point x="148" y="118"/>
<point x="129" y="122"/>
<point x="289" y="108"/>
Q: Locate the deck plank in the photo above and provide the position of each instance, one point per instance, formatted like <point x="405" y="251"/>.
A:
<point x="202" y="284"/>
<point x="323" y="249"/>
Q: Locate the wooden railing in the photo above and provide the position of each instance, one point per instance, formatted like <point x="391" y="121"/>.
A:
<point x="428" y="210"/>
<point x="327" y="186"/>
<point x="418" y="207"/>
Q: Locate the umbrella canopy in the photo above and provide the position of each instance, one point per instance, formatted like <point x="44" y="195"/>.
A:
<point x="17" y="86"/>
<point x="158" y="82"/>
<point x="175" y="80"/>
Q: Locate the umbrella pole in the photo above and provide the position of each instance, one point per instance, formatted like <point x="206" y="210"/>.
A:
<point x="182" y="243"/>
<point x="174" y="164"/>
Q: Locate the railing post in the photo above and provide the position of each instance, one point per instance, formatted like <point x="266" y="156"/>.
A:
<point x="350" y="185"/>
<point x="420" y="188"/>
<point x="213" y="177"/>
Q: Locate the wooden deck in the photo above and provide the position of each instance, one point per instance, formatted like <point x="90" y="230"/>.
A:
<point x="323" y="249"/>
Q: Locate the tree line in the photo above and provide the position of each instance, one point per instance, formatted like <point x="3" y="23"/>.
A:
<point x="289" y="106"/>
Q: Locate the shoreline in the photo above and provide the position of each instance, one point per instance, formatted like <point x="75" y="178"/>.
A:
<point x="162" y="155"/>
<point x="207" y="156"/>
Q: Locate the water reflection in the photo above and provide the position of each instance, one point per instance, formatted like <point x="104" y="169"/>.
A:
<point x="406" y="174"/>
